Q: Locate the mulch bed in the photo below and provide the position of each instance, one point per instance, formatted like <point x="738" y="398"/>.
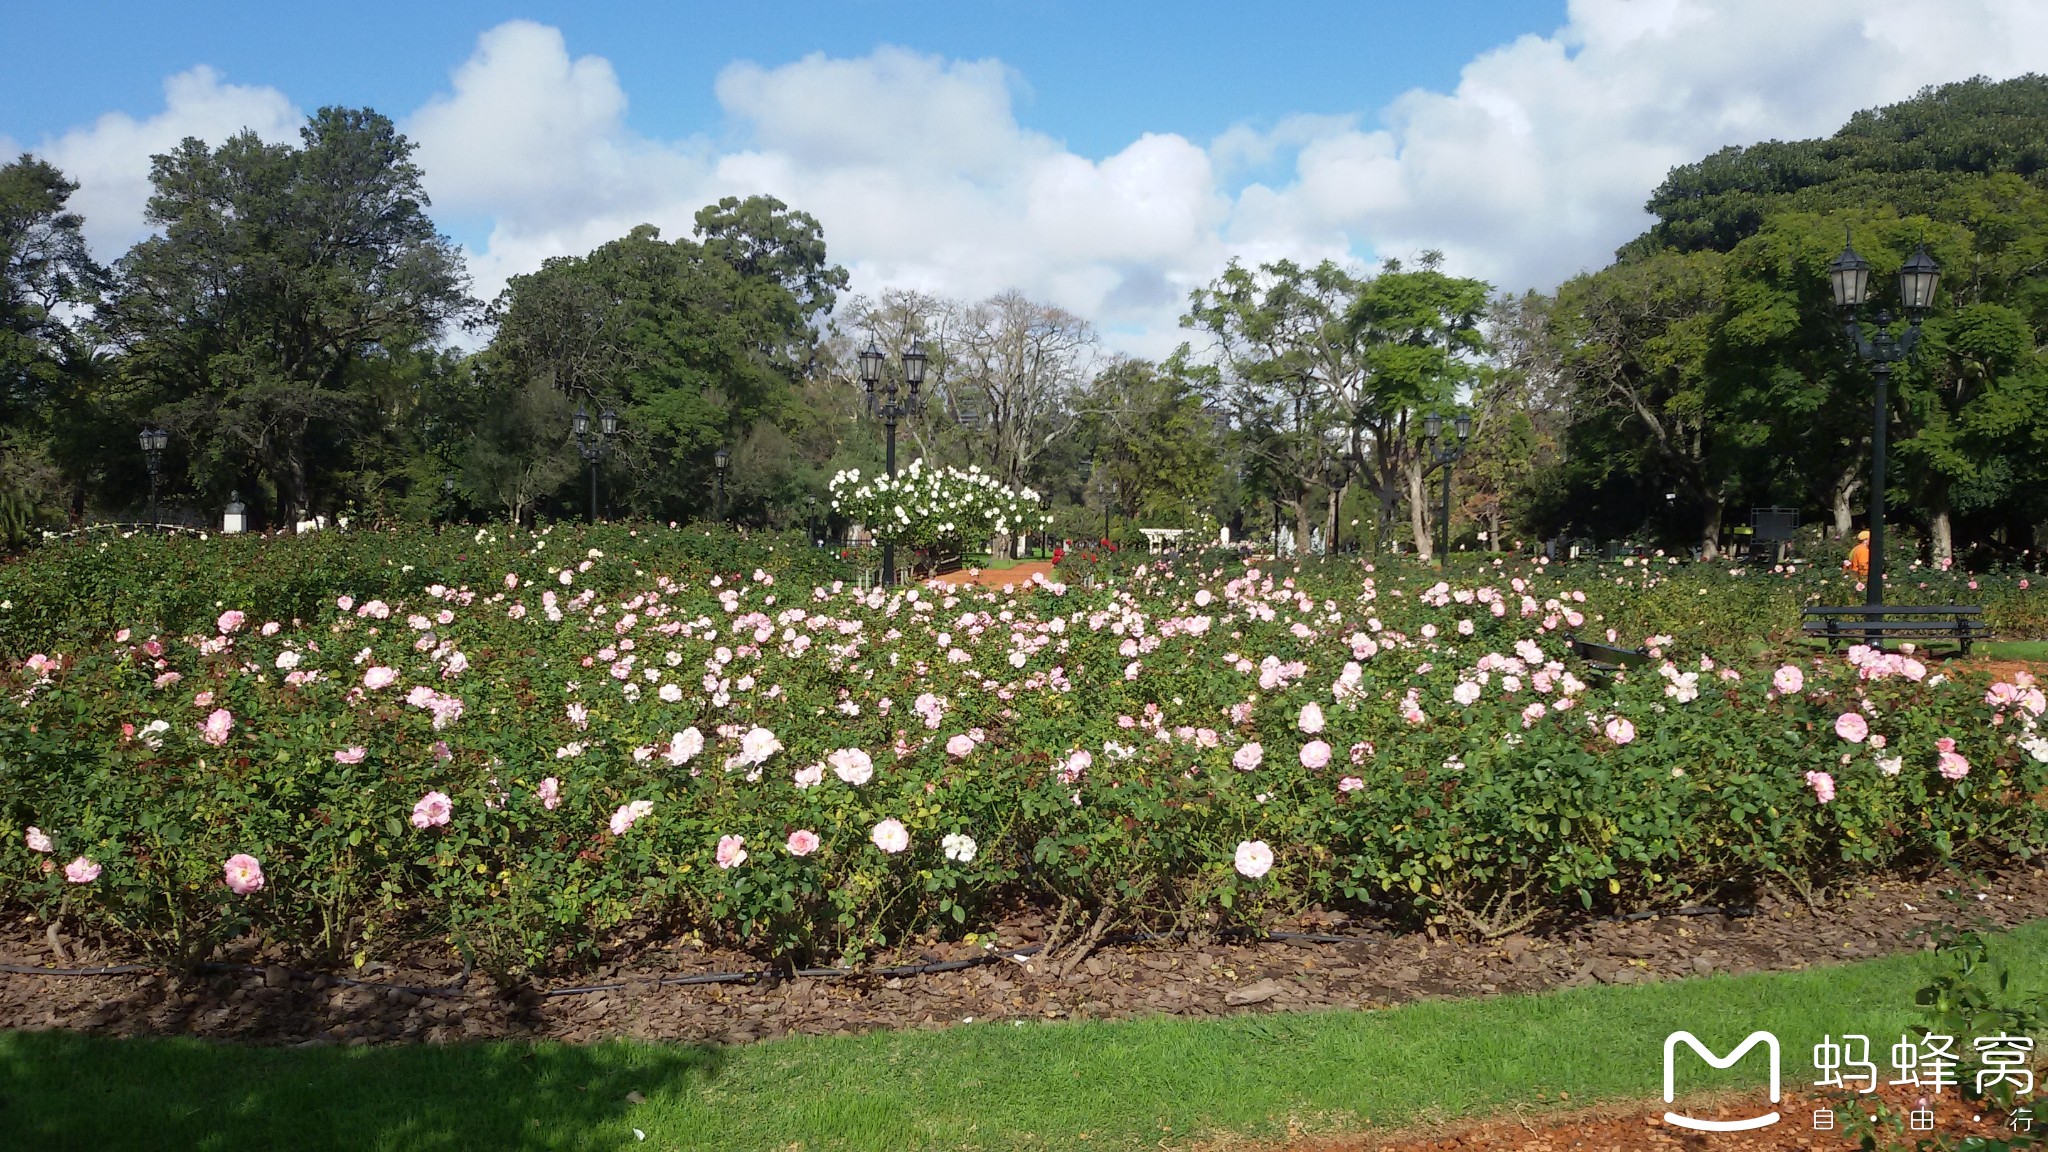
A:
<point x="274" y="1005"/>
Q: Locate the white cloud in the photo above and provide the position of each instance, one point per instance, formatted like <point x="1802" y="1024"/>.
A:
<point x="110" y="159"/>
<point x="1534" y="166"/>
<point x="1537" y="165"/>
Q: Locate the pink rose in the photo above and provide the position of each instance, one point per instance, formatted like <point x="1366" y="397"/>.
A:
<point x="890" y="836"/>
<point x="1620" y="730"/>
<point x="1788" y="680"/>
<point x="550" y="793"/>
<point x="36" y="840"/>
<point x="960" y="745"/>
<point x="81" y="871"/>
<point x="1311" y="718"/>
<point x="1852" y="727"/>
<point x="380" y="677"/>
<point x="852" y="765"/>
<point x="244" y="874"/>
<point x="344" y="602"/>
<point x="1254" y="858"/>
<point x="1315" y="754"/>
<point x="433" y="810"/>
<point x="629" y="815"/>
<point x="731" y="851"/>
<point x="1953" y="767"/>
<point x="167" y="679"/>
<point x="1248" y="757"/>
<point x="1350" y="784"/>
<point x="802" y="842"/>
<point x="1823" y="786"/>
<point x="215" y="730"/>
<point x="230" y="621"/>
<point x="1945" y="744"/>
<point x="351" y="755"/>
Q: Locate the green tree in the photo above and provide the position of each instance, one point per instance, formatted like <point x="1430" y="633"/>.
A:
<point x="45" y="269"/>
<point x="692" y="353"/>
<point x="280" y="273"/>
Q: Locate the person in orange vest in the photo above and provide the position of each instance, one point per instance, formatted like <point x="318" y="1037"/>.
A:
<point x="1859" y="556"/>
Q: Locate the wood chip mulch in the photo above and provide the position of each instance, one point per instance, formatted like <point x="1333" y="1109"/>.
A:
<point x="276" y="1005"/>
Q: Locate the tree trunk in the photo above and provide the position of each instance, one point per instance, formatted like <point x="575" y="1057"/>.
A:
<point x="1418" y="510"/>
<point x="1301" y="525"/>
<point x="1845" y="489"/>
<point x="1939" y="529"/>
<point x="1330" y="518"/>
<point x="1710" y="532"/>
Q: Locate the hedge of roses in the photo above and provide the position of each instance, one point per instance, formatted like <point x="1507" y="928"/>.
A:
<point x="81" y="590"/>
<point x="558" y="745"/>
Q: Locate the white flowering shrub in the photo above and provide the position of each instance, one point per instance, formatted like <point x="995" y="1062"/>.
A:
<point x="937" y="508"/>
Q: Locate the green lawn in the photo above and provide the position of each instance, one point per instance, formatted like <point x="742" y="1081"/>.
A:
<point x="987" y="1085"/>
<point x="2012" y="649"/>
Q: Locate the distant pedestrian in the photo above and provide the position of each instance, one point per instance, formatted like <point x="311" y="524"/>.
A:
<point x="1859" y="556"/>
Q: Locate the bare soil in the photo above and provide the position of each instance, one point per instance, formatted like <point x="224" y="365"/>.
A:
<point x="274" y="1004"/>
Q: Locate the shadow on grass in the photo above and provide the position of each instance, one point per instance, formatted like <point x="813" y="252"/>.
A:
<point x="64" y="1090"/>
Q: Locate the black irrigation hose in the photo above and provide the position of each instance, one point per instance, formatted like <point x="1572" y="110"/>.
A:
<point x="115" y="970"/>
<point x="756" y="975"/>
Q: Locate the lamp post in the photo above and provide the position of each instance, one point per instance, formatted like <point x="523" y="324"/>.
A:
<point x="891" y="411"/>
<point x="592" y="447"/>
<point x="1849" y="277"/>
<point x="1444" y="457"/>
<point x="719" y="460"/>
<point x="811" y="510"/>
<point x="154" y="440"/>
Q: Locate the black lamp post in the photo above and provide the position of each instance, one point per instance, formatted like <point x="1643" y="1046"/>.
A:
<point x="592" y="447"/>
<point x="1849" y="276"/>
<point x="719" y="460"/>
<point x="154" y="440"/>
<point x="1444" y="456"/>
<point x="811" y="512"/>
<point x="871" y="363"/>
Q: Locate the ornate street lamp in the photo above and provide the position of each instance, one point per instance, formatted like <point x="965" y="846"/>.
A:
<point x="1849" y="277"/>
<point x="592" y="447"/>
<point x="719" y="460"/>
<point x="154" y="440"/>
<point x="811" y="514"/>
<point x="872" y="361"/>
<point x="1444" y="457"/>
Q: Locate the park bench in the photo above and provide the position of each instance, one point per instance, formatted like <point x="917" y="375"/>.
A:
<point x="1606" y="657"/>
<point x="1959" y="623"/>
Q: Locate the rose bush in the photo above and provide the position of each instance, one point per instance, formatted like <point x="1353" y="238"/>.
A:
<point x="568" y="741"/>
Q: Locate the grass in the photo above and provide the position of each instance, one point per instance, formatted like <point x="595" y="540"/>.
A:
<point x="2012" y="650"/>
<point x="1152" y="1083"/>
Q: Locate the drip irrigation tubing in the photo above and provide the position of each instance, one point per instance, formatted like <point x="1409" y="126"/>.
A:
<point x="756" y="975"/>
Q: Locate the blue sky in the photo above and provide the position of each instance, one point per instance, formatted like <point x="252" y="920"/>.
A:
<point x="1107" y="158"/>
<point x="1095" y="75"/>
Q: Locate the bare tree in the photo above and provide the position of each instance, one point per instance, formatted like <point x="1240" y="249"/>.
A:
<point x="1013" y="367"/>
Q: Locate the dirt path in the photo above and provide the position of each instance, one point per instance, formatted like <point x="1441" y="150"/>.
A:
<point x="998" y="577"/>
